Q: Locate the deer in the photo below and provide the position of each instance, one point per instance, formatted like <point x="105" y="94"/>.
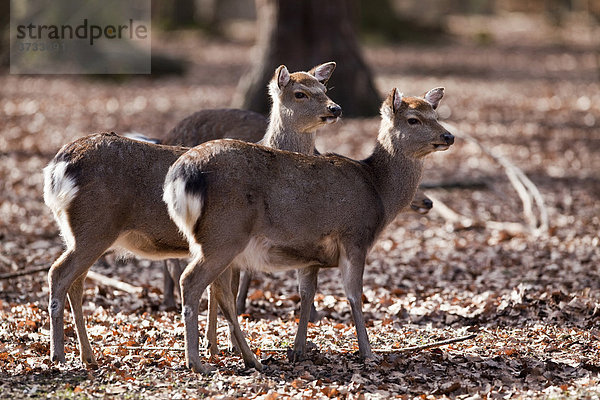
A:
<point x="249" y="126"/>
<point x="203" y="126"/>
<point x="291" y="130"/>
<point x="121" y="180"/>
<point x="250" y="205"/>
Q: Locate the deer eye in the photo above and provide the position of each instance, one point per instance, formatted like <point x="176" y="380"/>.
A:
<point x="300" y="95"/>
<point x="413" y="121"/>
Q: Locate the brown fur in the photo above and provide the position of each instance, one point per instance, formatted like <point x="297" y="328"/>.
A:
<point x="105" y="191"/>
<point x="282" y="210"/>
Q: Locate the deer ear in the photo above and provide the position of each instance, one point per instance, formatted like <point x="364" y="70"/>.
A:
<point x="282" y="75"/>
<point x="323" y="72"/>
<point x="397" y="99"/>
<point x="434" y="96"/>
<point x="391" y="104"/>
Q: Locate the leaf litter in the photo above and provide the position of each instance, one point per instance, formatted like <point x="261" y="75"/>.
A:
<point x="533" y="302"/>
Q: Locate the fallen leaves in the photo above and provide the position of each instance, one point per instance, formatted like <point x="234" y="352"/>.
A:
<point x="534" y="302"/>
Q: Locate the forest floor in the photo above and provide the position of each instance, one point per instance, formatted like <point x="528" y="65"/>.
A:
<point x="533" y="301"/>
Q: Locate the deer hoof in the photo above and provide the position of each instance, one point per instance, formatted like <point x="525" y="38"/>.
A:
<point x="295" y="356"/>
<point x="90" y="362"/>
<point x="200" y="368"/>
<point x="253" y="363"/>
<point x="58" y="358"/>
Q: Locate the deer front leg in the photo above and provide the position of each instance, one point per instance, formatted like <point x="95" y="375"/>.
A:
<point x="307" y="282"/>
<point x="352" y="275"/>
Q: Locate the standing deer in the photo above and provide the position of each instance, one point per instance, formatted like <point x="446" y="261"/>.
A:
<point x="245" y="125"/>
<point x="105" y="192"/>
<point x="297" y="98"/>
<point x="204" y="125"/>
<point x="247" y="204"/>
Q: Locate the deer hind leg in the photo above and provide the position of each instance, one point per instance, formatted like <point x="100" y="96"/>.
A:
<point x="231" y="275"/>
<point x="200" y="272"/>
<point x="225" y="297"/>
<point x="70" y="267"/>
<point x="211" y="326"/>
<point x="243" y="291"/>
<point x="75" y="298"/>
<point x="235" y="285"/>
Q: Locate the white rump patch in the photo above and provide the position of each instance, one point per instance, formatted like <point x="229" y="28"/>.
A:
<point x="184" y="208"/>
<point x="59" y="191"/>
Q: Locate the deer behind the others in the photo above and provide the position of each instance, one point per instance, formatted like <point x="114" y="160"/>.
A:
<point x="250" y="205"/>
<point x="105" y="191"/>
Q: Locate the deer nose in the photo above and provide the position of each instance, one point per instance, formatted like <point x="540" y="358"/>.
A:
<point x="448" y="138"/>
<point x="428" y="203"/>
<point x="335" y="110"/>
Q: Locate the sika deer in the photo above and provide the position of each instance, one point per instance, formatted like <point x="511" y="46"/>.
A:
<point x="203" y="126"/>
<point x="300" y="106"/>
<point x="250" y="205"/>
<point x="105" y="192"/>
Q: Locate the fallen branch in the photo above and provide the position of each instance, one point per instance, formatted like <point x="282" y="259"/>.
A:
<point x="478" y="184"/>
<point x="281" y="349"/>
<point x="525" y="188"/>
<point x="400" y="350"/>
<point x="94" y="276"/>
<point x="465" y="222"/>
<point x="117" y="284"/>
<point x="145" y="348"/>
<point x="30" y="271"/>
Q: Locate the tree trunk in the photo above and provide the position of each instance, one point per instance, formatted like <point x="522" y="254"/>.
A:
<point x="184" y="13"/>
<point x="4" y="34"/>
<point x="302" y="34"/>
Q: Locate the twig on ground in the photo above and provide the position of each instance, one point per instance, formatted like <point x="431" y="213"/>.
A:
<point x="400" y="350"/>
<point x="465" y="222"/>
<point x="117" y="284"/>
<point x="30" y="271"/>
<point x="462" y="184"/>
<point x="144" y="348"/>
<point x="7" y="261"/>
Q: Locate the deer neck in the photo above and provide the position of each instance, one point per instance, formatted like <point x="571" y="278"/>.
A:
<point x="284" y="135"/>
<point x="396" y="175"/>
